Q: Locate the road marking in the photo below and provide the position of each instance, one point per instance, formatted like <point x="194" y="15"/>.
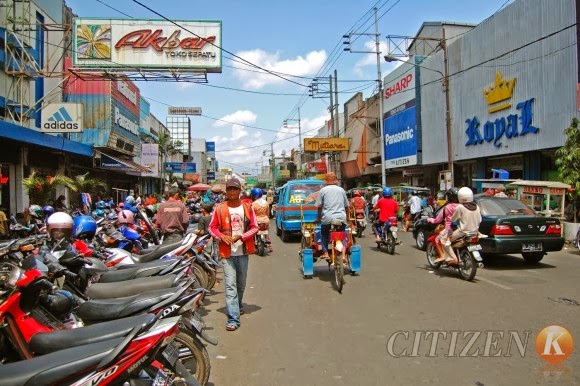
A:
<point x="494" y="283"/>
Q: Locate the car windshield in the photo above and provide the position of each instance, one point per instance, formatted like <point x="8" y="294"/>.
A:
<point x="502" y="207"/>
<point x="303" y="193"/>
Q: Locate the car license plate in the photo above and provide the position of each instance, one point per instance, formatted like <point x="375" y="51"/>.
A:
<point x="162" y="379"/>
<point x="532" y="247"/>
<point x="474" y="247"/>
<point x="197" y="322"/>
<point x="171" y="353"/>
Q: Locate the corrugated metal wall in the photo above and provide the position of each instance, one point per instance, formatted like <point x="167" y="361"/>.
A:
<point x="545" y="70"/>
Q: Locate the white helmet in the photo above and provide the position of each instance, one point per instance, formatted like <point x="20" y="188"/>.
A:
<point x="465" y="195"/>
<point x="59" y="225"/>
<point x="130" y="200"/>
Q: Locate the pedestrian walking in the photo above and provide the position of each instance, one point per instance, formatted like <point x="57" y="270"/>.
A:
<point x="172" y="217"/>
<point x="233" y="224"/>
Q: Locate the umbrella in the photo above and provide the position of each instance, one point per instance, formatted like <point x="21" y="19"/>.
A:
<point x="198" y="187"/>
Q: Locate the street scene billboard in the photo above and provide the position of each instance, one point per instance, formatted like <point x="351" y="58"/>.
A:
<point x="150" y="159"/>
<point x="401" y="136"/>
<point x="159" y="44"/>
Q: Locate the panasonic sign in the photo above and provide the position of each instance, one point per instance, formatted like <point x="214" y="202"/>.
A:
<point x="62" y="118"/>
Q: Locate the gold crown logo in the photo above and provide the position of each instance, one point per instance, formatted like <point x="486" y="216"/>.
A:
<point x="501" y="90"/>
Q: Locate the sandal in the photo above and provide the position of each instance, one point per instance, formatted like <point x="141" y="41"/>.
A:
<point x="231" y="327"/>
<point x="452" y="262"/>
<point x="439" y="260"/>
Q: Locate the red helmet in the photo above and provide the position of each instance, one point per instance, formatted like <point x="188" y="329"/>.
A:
<point x="357" y="193"/>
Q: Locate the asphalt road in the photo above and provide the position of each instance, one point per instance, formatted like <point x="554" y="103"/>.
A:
<point x="382" y="329"/>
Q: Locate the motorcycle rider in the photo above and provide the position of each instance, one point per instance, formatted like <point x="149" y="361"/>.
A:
<point x="415" y="206"/>
<point x="445" y="214"/>
<point x="247" y="196"/>
<point x="262" y="210"/>
<point x="469" y="216"/>
<point x="359" y="204"/>
<point x="387" y="208"/>
<point x="332" y="204"/>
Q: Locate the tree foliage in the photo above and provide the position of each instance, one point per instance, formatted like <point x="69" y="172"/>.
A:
<point x="42" y="188"/>
<point x="568" y="159"/>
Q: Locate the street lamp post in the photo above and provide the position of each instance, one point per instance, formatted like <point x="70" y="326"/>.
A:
<point x="445" y="80"/>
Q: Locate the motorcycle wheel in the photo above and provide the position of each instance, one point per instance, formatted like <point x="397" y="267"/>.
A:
<point x="390" y="244"/>
<point x="211" y="278"/>
<point x="338" y="271"/>
<point x="194" y="356"/>
<point x="200" y="275"/>
<point x="261" y="247"/>
<point x="467" y="265"/>
<point x="432" y="255"/>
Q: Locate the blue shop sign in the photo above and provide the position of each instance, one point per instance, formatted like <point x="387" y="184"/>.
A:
<point x="180" y="167"/>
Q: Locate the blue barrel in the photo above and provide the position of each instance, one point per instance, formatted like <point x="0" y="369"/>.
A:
<point x="355" y="252"/>
<point x="307" y="262"/>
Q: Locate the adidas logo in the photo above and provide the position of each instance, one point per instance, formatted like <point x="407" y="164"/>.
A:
<point x="61" y="120"/>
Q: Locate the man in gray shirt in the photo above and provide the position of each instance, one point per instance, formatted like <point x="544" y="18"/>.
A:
<point x="332" y="204"/>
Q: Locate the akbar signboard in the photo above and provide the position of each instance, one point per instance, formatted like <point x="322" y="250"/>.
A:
<point x="159" y="44"/>
<point x="326" y="144"/>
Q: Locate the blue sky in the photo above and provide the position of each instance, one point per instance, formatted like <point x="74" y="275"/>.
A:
<point x="243" y="110"/>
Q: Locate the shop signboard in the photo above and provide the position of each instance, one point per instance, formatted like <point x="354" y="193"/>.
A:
<point x="401" y="136"/>
<point x="147" y="44"/>
<point x="180" y="167"/>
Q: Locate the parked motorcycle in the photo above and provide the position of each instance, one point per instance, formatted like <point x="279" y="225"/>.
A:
<point x="388" y="235"/>
<point x="466" y="249"/>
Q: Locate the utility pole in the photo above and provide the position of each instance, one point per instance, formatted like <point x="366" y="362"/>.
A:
<point x="331" y="123"/>
<point x="337" y="127"/>
<point x="299" y="146"/>
<point x="273" y="163"/>
<point x="379" y="87"/>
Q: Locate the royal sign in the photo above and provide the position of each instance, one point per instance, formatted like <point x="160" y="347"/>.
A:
<point x="155" y="44"/>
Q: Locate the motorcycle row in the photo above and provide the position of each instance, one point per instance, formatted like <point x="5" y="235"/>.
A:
<point x="90" y="300"/>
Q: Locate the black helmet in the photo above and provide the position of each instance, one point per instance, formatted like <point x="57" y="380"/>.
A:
<point x="247" y="193"/>
<point x="451" y="195"/>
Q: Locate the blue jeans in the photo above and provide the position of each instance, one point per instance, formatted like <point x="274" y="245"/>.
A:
<point x="235" y="274"/>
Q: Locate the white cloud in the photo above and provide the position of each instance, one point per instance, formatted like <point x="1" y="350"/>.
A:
<point x="254" y="78"/>
<point x="368" y="60"/>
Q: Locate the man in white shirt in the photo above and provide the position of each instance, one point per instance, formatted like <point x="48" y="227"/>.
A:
<point x="414" y="208"/>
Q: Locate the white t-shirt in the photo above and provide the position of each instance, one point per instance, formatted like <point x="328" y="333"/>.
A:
<point x="237" y="224"/>
<point x="415" y="204"/>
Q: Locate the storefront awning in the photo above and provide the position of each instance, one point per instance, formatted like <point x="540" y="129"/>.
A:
<point x="32" y="137"/>
<point x="114" y="162"/>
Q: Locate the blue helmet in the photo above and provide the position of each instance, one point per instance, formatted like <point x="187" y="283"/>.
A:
<point x="84" y="227"/>
<point x="257" y="193"/>
<point x="387" y="192"/>
<point x="47" y="210"/>
<point x="99" y="212"/>
<point x="100" y="204"/>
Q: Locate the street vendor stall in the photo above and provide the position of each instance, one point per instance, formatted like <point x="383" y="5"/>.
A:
<point x="545" y="197"/>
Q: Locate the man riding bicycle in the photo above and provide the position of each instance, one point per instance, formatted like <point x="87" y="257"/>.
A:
<point x="332" y="204"/>
<point x="387" y="208"/>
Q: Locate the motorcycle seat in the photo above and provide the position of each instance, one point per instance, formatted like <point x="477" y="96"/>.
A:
<point x="136" y="271"/>
<point x="47" y="342"/>
<point x="57" y="367"/>
<point x="155" y="253"/>
<point x="93" y="311"/>
<point x="129" y="287"/>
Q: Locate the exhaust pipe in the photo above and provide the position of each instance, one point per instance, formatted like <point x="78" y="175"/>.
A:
<point x="480" y="265"/>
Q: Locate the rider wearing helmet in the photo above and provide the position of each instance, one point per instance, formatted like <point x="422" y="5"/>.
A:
<point x="445" y="215"/>
<point x="84" y="227"/>
<point x="247" y="196"/>
<point x="59" y="226"/>
<point x="358" y="202"/>
<point x="100" y="204"/>
<point x="262" y="211"/>
<point x="468" y="215"/>
<point x="130" y="204"/>
<point x="386" y="207"/>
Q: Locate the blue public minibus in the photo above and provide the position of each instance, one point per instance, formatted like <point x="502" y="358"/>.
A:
<point x="296" y="204"/>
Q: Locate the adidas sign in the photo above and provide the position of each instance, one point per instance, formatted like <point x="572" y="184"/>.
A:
<point x="62" y="118"/>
